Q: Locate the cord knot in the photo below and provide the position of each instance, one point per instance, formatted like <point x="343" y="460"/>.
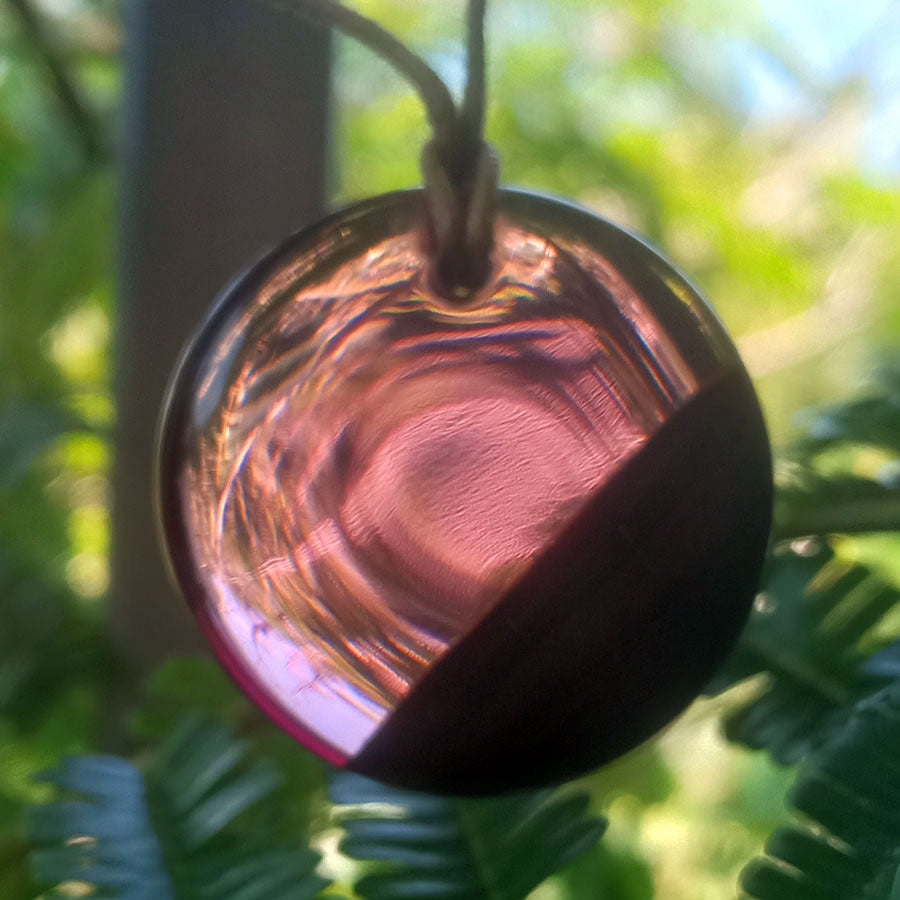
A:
<point x="460" y="197"/>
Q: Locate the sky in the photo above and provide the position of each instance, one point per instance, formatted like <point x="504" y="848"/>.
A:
<point x="834" y="39"/>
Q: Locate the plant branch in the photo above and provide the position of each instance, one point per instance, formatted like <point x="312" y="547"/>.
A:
<point x="82" y="121"/>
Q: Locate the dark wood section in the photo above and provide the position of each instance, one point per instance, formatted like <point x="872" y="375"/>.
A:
<point x="614" y="629"/>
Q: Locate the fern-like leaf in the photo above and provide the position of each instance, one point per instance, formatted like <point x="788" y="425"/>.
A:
<point x="198" y="824"/>
<point x="807" y="638"/>
<point x="870" y="420"/>
<point x="104" y="838"/>
<point x="849" y="796"/>
<point x="423" y="846"/>
<point x="858" y="488"/>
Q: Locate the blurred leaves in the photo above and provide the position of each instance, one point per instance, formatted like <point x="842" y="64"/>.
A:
<point x="806" y="638"/>
<point x="423" y="846"/>
<point x="56" y="250"/>
<point x="644" y="112"/>
<point x="201" y="823"/>
<point x="104" y="841"/>
<point x="819" y="617"/>
<point x="182" y="687"/>
<point x="26" y="431"/>
<point x="192" y="686"/>
<point x="607" y="872"/>
<point x="48" y="645"/>
<point x="843" y="474"/>
<point x="58" y="241"/>
<point x="848" y="844"/>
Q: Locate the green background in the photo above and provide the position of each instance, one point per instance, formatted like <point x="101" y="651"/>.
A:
<point x="639" y="111"/>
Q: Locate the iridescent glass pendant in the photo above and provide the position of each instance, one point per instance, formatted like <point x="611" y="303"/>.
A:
<point x="470" y="544"/>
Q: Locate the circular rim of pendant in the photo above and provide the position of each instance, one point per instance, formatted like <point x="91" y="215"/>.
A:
<point x="176" y="411"/>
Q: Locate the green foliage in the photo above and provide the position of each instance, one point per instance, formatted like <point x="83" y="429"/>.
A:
<point x="424" y="846"/>
<point x="843" y="474"/>
<point x="201" y="823"/>
<point x="192" y="686"/>
<point x="818" y="619"/>
<point x="47" y="645"/>
<point x="26" y="431"/>
<point x="607" y="872"/>
<point x="805" y="638"/>
<point x="182" y="687"/>
<point x="105" y="840"/>
<point x="634" y="109"/>
<point x="848" y="846"/>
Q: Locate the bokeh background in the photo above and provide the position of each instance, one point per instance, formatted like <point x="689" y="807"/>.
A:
<point x="756" y="142"/>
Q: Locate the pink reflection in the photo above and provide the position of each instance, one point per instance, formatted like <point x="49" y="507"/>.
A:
<point x="372" y="469"/>
<point x="343" y="719"/>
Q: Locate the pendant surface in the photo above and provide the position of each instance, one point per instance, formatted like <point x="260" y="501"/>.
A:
<point x="466" y="545"/>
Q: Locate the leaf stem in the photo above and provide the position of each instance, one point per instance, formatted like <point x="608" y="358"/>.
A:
<point x="70" y="100"/>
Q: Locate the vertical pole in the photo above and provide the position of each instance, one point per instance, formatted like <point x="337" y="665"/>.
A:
<point x="225" y="152"/>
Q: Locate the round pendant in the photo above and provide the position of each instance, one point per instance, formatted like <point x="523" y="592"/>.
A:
<point x="475" y="544"/>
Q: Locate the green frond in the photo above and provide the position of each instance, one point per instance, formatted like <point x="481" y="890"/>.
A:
<point x="843" y="473"/>
<point x="870" y="420"/>
<point x="423" y="846"/>
<point x="105" y="837"/>
<point x="848" y="847"/>
<point x="201" y="823"/>
<point x="807" y="638"/>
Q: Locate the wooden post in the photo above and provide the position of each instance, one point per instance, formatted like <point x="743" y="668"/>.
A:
<point x="225" y="152"/>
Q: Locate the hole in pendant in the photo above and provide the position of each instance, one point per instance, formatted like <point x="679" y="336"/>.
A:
<point x="459" y="278"/>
